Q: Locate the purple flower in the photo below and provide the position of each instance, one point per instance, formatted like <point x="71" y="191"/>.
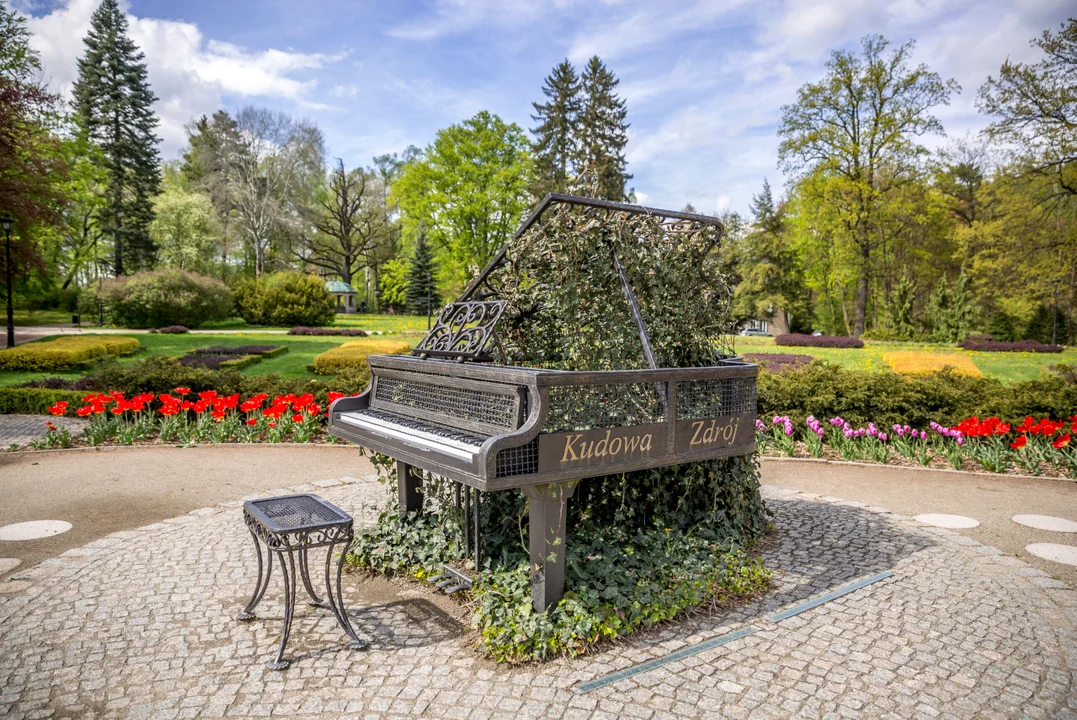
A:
<point x="883" y="437"/>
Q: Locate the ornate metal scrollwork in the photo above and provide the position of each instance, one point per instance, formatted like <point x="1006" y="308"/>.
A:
<point x="300" y="539"/>
<point x="463" y="331"/>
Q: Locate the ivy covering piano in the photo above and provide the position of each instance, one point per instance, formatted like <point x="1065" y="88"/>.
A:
<point x="509" y="391"/>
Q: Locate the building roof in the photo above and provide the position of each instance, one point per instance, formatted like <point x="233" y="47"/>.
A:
<point x="336" y="286"/>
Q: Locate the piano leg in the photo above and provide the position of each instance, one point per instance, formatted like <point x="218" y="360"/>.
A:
<point x="547" y="507"/>
<point x="409" y="487"/>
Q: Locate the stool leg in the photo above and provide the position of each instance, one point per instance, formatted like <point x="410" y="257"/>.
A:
<point x="288" y="571"/>
<point x="262" y="583"/>
<point x="337" y="603"/>
<point x="305" y="572"/>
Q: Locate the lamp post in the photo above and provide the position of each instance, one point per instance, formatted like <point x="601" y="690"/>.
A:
<point x="7" y="222"/>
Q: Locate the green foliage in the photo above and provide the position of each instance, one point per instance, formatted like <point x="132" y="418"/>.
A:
<point x="899" y="311"/>
<point x="1044" y="324"/>
<point x="826" y="390"/>
<point x="394" y="284"/>
<point x="950" y="310"/>
<point x="638" y="554"/>
<point x="65" y="353"/>
<point x="166" y="297"/>
<point x="185" y="228"/>
<point x="771" y="284"/>
<point x="603" y="132"/>
<point x="285" y="299"/>
<point x="854" y="136"/>
<point x="351" y="356"/>
<point x="1001" y="326"/>
<point x="557" y="134"/>
<point x="469" y="189"/>
<point x="35" y="401"/>
<point x="113" y="103"/>
<point x="422" y="290"/>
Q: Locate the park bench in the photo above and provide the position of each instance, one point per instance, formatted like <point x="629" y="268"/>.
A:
<point x="451" y="411"/>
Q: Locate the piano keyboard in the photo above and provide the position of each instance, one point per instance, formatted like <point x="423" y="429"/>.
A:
<point x="446" y="440"/>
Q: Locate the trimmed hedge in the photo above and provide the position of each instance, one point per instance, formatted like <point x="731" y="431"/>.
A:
<point x="346" y="332"/>
<point x="173" y="330"/>
<point x="285" y="299"/>
<point x="220" y="362"/>
<point x="35" y="401"/>
<point x="823" y="389"/>
<point x="64" y="353"/>
<point x="265" y="351"/>
<point x="823" y="341"/>
<point x="352" y="355"/>
<point x="999" y="346"/>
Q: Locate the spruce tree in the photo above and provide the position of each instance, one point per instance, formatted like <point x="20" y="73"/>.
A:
<point x="113" y="105"/>
<point x="603" y="132"/>
<point x="899" y="311"/>
<point x="422" y="291"/>
<point x="556" y="135"/>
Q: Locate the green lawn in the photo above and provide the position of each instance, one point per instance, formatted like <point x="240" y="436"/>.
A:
<point x="383" y="323"/>
<point x="1009" y="367"/>
<point x="24" y="318"/>
<point x="301" y="352"/>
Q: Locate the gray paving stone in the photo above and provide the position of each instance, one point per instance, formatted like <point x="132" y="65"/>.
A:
<point x="140" y="625"/>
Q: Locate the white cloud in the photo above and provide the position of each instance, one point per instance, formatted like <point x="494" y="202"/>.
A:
<point x="189" y="73"/>
<point x="345" y="90"/>
<point x="456" y="16"/>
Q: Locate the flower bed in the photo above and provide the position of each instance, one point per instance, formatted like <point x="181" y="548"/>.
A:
<point x="913" y="362"/>
<point x="65" y="353"/>
<point x="1032" y="447"/>
<point x="266" y="351"/>
<point x="346" y="332"/>
<point x="999" y="346"/>
<point x="188" y="418"/>
<point x="171" y="330"/>
<point x="822" y="341"/>
<point x="219" y="362"/>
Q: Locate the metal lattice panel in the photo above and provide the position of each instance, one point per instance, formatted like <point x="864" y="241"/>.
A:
<point x="716" y="398"/>
<point x="521" y="460"/>
<point x="464" y="403"/>
<point x="588" y="407"/>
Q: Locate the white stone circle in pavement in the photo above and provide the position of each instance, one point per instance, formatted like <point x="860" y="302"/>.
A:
<point x="33" y="530"/>
<point x="953" y="522"/>
<point x="1065" y="554"/>
<point x="1046" y="522"/>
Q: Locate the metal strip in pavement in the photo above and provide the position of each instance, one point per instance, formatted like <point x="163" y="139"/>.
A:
<point x="832" y="595"/>
<point x="605" y="680"/>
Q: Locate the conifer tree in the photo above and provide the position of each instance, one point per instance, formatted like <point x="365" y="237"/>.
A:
<point x="422" y="291"/>
<point x="556" y="135"/>
<point x="603" y="132"/>
<point x="113" y="105"/>
<point x="899" y="311"/>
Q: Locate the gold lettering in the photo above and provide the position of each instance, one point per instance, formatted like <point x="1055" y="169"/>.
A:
<point x="586" y="449"/>
<point x="615" y="443"/>
<point x="697" y="426"/>
<point x="728" y="432"/>
<point x="569" y="439"/>
<point x="645" y="443"/>
<point x="631" y="444"/>
<point x="603" y="443"/>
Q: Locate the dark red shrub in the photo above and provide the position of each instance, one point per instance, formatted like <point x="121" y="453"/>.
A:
<point x="823" y="341"/>
<point x="347" y="332"/>
<point x="1000" y="346"/>
<point x="173" y="330"/>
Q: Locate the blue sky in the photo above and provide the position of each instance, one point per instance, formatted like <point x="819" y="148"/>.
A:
<point x="704" y="79"/>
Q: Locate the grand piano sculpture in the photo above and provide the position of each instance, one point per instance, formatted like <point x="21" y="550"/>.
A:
<point x="450" y="410"/>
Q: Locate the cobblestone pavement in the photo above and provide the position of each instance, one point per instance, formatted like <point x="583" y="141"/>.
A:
<point x="24" y="429"/>
<point x="139" y="624"/>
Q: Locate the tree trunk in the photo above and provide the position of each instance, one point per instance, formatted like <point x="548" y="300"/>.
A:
<point x="862" y="285"/>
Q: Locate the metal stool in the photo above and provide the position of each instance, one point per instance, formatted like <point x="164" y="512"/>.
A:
<point x="296" y="524"/>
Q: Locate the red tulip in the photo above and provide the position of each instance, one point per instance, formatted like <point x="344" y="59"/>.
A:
<point x="1020" y="442"/>
<point x="1061" y="442"/>
<point x="181" y="390"/>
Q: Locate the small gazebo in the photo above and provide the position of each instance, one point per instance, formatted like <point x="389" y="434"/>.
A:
<point x="344" y="294"/>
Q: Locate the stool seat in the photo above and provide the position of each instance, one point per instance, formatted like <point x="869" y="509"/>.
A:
<point x="295" y="524"/>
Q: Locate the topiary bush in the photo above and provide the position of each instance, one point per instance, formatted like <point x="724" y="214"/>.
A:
<point x="164" y="298"/>
<point x="285" y="299"/>
<point x="65" y="353"/>
<point x="352" y="355"/>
